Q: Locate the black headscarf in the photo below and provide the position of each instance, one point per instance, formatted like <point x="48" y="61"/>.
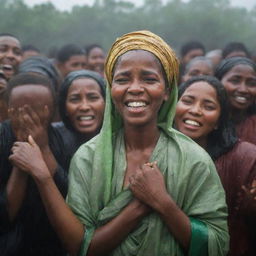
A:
<point x="227" y="64"/>
<point x="67" y="83"/>
<point x="42" y="65"/>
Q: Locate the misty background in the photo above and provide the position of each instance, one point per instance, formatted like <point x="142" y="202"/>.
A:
<point x="213" y="22"/>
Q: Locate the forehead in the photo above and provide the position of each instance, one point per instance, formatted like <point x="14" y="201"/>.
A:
<point x="137" y="57"/>
<point x="8" y="40"/>
<point x="31" y="95"/>
<point x="96" y="51"/>
<point x="77" y="58"/>
<point x="85" y="84"/>
<point x="241" y="69"/>
<point x="201" y="89"/>
<point x="200" y="65"/>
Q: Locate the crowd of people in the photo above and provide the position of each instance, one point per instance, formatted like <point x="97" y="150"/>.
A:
<point x="138" y="152"/>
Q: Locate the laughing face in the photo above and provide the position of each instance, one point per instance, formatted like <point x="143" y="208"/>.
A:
<point x="240" y="84"/>
<point x="198" y="111"/>
<point x="138" y="88"/>
<point x="10" y="55"/>
<point x="85" y="106"/>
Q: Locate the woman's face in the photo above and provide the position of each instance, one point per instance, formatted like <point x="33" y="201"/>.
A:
<point x="138" y="88"/>
<point x="96" y="60"/>
<point x="75" y="62"/>
<point x="35" y="96"/>
<point x="240" y="84"/>
<point x="198" y="68"/>
<point x="198" y="111"/>
<point x="10" y="55"/>
<point x="85" y="105"/>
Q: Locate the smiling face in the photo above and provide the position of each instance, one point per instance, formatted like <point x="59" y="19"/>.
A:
<point x="85" y="106"/>
<point x="138" y="88"/>
<point x="10" y="55"/>
<point x="96" y="59"/>
<point x="75" y="62"/>
<point x="198" y="111"/>
<point x="240" y="84"/>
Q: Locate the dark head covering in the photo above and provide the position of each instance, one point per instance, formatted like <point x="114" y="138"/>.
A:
<point x="42" y="65"/>
<point x="227" y="64"/>
<point x="222" y="139"/>
<point x="67" y="83"/>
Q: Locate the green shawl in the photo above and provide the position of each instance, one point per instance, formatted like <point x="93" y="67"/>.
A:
<point x="96" y="193"/>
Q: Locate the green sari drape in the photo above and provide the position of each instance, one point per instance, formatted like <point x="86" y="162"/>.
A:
<point x="97" y="170"/>
<point x="191" y="180"/>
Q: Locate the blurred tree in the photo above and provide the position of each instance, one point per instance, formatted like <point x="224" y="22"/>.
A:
<point x="213" y="22"/>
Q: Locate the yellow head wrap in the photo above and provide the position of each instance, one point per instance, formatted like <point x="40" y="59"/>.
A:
<point x="148" y="41"/>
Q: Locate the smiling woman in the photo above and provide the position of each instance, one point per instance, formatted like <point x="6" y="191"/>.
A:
<point x="238" y="75"/>
<point x="201" y="114"/>
<point x="10" y="54"/>
<point x="138" y="180"/>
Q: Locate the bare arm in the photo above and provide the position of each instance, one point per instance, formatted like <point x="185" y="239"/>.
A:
<point x="28" y="157"/>
<point x="16" y="189"/>
<point x="109" y="236"/>
<point x="149" y="187"/>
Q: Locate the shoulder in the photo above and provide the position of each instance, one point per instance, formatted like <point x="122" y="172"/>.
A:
<point x="190" y="149"/>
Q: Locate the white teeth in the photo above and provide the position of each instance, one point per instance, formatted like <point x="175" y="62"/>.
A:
<point x="191" y="122"/>
<point x="85" y="118"/>
<point x="241" y="99"/>
<point x="136" y="104"/>
<point x="7" y="67"/>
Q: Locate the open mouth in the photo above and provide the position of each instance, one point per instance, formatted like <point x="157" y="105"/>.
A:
<point x="192" y="123"/>
<point x="136" y="104"/>
<point x="241" y="99"/>
<point x="85" y="118"/>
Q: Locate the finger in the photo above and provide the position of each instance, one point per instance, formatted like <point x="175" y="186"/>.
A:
<point x="45" y="116"/>
<point x="31" y="141"/>
<point x="32" y="115"/>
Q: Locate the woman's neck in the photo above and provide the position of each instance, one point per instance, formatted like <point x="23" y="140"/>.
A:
<point x="139" y="138"/>
<point x="237" y="116"/>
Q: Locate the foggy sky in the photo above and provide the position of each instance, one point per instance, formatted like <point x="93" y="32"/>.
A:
<point x="68" y="4"/>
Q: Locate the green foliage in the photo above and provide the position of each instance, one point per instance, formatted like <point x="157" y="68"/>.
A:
<point x="213" y="22"/>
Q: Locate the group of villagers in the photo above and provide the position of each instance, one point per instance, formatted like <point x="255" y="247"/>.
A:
<point x="138" y="165"/>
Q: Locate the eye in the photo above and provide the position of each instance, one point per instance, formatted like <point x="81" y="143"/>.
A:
<point x="17" y="52"/>
<point x="251" y="83"/>
<point x="150" y="80"/>
<point x="74" y="99"/>
<point x="93" y="97"/>
<point x="186" y="100"/>
<point x="122" y="80"/>
<point x="210" y="107"/>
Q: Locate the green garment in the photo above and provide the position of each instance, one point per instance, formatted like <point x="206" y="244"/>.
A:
<point x="96" y="193"/>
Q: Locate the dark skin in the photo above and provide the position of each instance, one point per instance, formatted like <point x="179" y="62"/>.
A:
<point x="144" y="82"/>
<point x="26" y="121"/>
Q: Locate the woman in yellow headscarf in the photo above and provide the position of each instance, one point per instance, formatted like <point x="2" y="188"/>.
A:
<point x="140" y="187"/>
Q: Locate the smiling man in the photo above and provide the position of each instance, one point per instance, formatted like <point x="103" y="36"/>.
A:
<point x="10" y="54"/>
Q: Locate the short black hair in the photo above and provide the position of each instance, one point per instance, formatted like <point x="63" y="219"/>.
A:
<point x="67" y="51"/>
<point x="30" y="47"/>
<point x="235" y="47"/>
<point x="189" y="46"/>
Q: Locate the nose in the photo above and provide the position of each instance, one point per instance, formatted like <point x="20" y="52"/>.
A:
<point x="195" y="109"/>
<point x="242" y="87"/>
<point x="84" y="105"/>
<point x="10" y="54"/>
<point x="135" y="88"/>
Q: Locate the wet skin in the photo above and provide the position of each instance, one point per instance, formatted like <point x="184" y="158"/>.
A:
<point x="198" y="112"/>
